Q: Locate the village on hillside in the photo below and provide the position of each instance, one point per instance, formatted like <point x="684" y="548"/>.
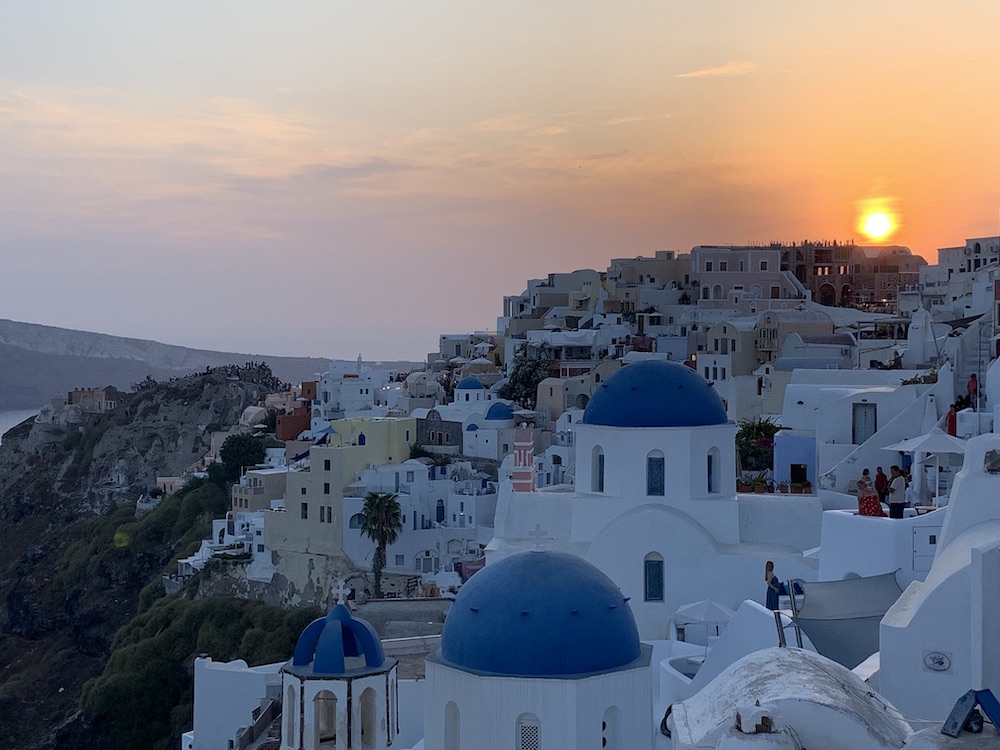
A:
<point x="605" y="522"/>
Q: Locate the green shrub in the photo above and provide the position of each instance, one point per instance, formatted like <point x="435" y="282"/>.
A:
<point x="145" y="696"/>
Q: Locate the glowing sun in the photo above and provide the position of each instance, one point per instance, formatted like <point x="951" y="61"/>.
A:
<point x="877" y="225"/>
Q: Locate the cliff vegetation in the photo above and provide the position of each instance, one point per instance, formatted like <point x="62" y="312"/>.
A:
<point x="80" y="575"/>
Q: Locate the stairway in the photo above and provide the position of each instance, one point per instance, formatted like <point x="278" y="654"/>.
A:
<point x="976" y="349"/>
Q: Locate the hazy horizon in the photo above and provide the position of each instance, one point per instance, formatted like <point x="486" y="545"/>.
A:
<point x="324" y="179"/>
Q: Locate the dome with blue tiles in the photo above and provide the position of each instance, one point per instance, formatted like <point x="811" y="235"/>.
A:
<point x="540" y="614"/>
<point x="655" y="393"/>
<point x="335" y="644"/>
<point x="470" y="384"/>
<point x="500" y="412"/>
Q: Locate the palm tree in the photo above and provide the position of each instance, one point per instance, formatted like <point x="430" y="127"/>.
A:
<point x="381" y="521"/>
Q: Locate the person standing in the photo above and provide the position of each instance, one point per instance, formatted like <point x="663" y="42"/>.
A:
<point x="896" y="493"/>
<point x="951" y="421"/>
<point x="868" y="504"/>
<point x="881" y="483"/>
<point x="910" y="493"/>
<point x="773" y="586"/>
<point x="973" y="388"/>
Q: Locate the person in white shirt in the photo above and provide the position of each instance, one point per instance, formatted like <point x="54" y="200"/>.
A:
<point x="896" y="496"/>
<point x="910" y="493"/>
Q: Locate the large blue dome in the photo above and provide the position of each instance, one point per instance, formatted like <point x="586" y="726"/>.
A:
<point x="540" y="614"/>
<point x="470" y="384"/>
<point x="655" y="393"/>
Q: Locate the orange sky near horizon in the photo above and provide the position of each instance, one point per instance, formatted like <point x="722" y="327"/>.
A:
<point x="435" y="156"/>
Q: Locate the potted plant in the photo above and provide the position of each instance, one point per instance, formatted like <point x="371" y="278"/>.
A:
<point x="742" y="485"/>
<point x="783" y="488"/>
<point x="796" y="488"/>
<point x="807" y="487"/>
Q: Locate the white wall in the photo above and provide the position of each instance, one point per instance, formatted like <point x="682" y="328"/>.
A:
<point x="570" y="711"/>
<point x="225" y="695"/>
<point x="854" y="545"/>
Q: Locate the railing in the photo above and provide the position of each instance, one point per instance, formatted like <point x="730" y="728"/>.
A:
<point x="246" y="736"/>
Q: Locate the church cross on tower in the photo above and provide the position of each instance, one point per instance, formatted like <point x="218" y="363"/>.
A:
<point x="539" y="534"/>
<point x="340" y="591"/>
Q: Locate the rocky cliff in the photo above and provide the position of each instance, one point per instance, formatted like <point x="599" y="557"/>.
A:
<point x="74" y="560"/>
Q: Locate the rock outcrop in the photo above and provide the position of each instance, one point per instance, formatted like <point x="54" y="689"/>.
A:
<point x="62" y="597"/>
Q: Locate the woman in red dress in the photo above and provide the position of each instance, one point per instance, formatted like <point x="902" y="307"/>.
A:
<point x="868" y="504"/>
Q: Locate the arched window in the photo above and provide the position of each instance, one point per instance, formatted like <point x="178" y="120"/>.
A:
<point x="652" y="575"/>
<point x="611" y="729"/>
<point x="712" y="470"/>
<point x="529" y="732"/>
<point x="717" y="291"/>
<point x="361" y="439"/>
<point x="368" y="719"/>
<point x="290" y="715"/>
<point x="654" y="473"/>
<point x="325" y="719"/>
<point x="356" y="520"/>
<point x="597" y="470"/>
<point x="452" y="726"/>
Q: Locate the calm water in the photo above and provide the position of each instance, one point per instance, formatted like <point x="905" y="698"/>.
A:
<point x="10" y="419"/>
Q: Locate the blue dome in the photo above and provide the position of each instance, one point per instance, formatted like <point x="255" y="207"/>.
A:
<point x="326" y="642"/>
<point x="470" y="384"/>
<point x="538" y="614"/>
<point x="500" y="412"/>
<point x="655" y="393"/>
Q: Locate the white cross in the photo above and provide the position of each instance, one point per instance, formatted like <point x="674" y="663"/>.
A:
<point x="340" y="590"/>
<point x="538" y="535"/>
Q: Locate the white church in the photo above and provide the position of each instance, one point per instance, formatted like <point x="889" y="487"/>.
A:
<point x="654" y="505"/>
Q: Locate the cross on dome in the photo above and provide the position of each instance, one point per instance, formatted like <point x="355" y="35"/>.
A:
<point x="340" y="591"/>
<point x="538" y="535"/>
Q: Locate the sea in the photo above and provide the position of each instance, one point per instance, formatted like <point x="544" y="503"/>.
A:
<point x="9" y="419"/>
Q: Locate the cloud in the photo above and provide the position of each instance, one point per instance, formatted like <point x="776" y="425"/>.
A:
<point x="730" y="69"/>
<point x="626" y="119"/>
<point x="519" y="123"/>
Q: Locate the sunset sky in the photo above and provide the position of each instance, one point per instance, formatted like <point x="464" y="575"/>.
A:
<point x="329" y="178"/>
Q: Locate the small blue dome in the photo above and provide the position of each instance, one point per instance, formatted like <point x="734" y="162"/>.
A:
<point x="326" y="642"/>
<point x="655" y="393"/>
<point x="500" y="412"/>
<point x="470" y="384"/>
<point x="540" y="614"/>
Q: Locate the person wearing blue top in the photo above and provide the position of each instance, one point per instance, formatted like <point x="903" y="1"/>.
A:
<point x="773" y="586"/>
